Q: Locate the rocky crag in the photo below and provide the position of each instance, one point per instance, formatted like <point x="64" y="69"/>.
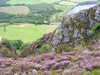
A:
<point x="76" y="26"/>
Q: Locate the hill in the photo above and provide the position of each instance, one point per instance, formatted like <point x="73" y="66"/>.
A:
<point x="15" y="10"/>
<point x="31" y="1"/>
<point x="72" y="49"/>
<point x="28" y="11"/>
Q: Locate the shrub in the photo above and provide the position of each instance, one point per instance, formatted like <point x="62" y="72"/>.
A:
<point x="95" y="29"/>
<point x="23" y="46"/>
<point x="17" y="43"/>
<point x="12" y="43"/>
<point x="94" y="33"/>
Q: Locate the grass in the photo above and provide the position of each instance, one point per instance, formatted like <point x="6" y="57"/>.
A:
<point x="12" y="2"/>
<point x="95" y="72"/>
<point x="16" y="10"/>
<point x="67" y="3"/>
<point x="31" y="1"/>
<point x="26" y="33"/>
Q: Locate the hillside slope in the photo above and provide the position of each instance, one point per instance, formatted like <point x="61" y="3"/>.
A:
<point x="28" y="11"/>
<point x="75" y="29"/>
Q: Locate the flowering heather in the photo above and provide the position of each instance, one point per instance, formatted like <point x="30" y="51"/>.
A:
<point x="52" y="64"/>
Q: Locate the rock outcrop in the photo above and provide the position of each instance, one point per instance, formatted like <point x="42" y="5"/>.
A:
<point x="76" y="26"/>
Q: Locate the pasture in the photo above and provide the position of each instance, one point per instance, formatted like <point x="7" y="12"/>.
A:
<point x="31" y="1"/>
<point x="26" y="33"/>
<point x="15" y="10"/>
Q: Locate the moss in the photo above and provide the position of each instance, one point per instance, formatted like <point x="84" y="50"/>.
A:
<point x="45" y="48"/>
<point x="39" y="43"/>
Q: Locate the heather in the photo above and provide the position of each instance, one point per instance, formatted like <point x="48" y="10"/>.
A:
<point x="85" y="62"/>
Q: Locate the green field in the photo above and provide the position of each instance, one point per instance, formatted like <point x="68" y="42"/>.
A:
<point x="15" y="10"/>
<point x="26" y="33"/>
<point x="31" y="1"/>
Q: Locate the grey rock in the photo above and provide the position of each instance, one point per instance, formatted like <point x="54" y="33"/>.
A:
<point x="76" y="25"/>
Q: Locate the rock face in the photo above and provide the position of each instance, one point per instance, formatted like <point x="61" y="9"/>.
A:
<point x="75" y="26"/>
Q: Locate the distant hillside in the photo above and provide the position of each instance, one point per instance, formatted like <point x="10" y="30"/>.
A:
<point x="35" y="11"/>
<point x="31" y="1"/>
<point x="15" y="10"/>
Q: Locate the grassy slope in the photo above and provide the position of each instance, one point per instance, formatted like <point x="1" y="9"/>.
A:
<point x="39" y="4"/>
<point x="31" y="7"/>
<point x="42" y="1"/>
<point x="31" y="1"/>
<point x="21" y="10"/>
<point x="26" y="33"/>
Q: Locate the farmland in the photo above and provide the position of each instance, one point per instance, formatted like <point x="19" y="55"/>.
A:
<point x="31" y="1"/>
<point x="26" y="33"/>
<point x="28" y="11"/>
<point x="16" y="10"/>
